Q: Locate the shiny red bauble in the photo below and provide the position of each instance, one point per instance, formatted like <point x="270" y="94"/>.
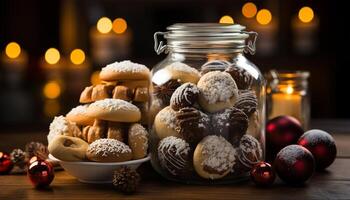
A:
<point x="262" y="174"/>
<point x="280" y="132"/>
<point x="322" y="146"/>
<point x="294" y="164"/>
<point x="6" y="164"/>
<point x="40" y="173"/>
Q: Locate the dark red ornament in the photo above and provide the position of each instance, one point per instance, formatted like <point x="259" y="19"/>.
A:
<point x="294" y="164"/>
<point x="6" y="164"/>
<point x="40" y="173"/>
<point x="322" y="146"/>
<point x="281" y="132"/>
<point x="262" y="174"/>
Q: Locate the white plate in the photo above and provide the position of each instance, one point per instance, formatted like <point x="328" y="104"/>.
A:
<point x="95" y="172"/>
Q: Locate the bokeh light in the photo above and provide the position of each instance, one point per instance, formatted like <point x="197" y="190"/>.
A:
<point x="249" y="10"/>
<point x="52" y="90"/>
<point x="226" y="20"/>
<point x="119" y="25"/>
<point x="104" y="25"/>
<point x="77" y="56"/>
<point x="52" y="56"/>
<point x="13" y="50"/>
<point x="306" y="14"/>
<point x="264" y="17"/>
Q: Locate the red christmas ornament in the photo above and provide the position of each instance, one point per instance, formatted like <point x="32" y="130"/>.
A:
<point x="281" y="132"/>
<point x="6" y="164"/>
<point x="294" y="164"/>
<point x="40" y="173"/>
<point x="262" y="174"/>
<point x="322" y="146"/>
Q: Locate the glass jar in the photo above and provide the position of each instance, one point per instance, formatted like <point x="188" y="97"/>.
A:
<point x="287" y="94"/>
<point x="207" y="108"/>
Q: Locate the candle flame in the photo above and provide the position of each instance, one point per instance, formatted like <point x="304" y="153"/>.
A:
<point x="119" y="25"/>
<point x="13" y="50"/>
<point x="104" y="25"/>
<point x="264" y="17"/>
<point x="289" y="89"/>
<point x="52" y="56"/>
<point x="226" y="20"/>
<point x="77" y="56"/>
<point x="249" y="10"/>
<point x="306" y="14"/>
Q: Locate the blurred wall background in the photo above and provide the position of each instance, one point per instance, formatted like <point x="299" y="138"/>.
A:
<point x="46" y="77"/>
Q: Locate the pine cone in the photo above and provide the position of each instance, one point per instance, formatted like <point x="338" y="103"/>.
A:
<point x="18" y="157"/>
<point x="37" y="149"/>
<point x="126" y="179"/>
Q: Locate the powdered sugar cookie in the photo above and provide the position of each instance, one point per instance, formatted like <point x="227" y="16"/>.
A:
<point x="218" y="91"/>
<point x="61" y="126"/>
<point x="108" y="150"/>
<point x="125" y="70"/>
<point x="165" y="123"/>
<point x="138" y="141"/>
<point x="79" y="115"/>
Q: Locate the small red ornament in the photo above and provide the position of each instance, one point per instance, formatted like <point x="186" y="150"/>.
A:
<point x="281" y="132"/>
<point x="262" y="174"/>
<point x="322" y="146"/>
<point x="294" y="164"/>
<point x="40" y="173"/>
<point x="6" y="164"/>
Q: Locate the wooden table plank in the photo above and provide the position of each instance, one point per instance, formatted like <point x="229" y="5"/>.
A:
<point x="332" y="184"/>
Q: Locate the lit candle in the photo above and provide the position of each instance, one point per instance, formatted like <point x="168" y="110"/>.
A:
<point x="52" y="64"/>
<point x="78" y="71"/>
<point x="14" y="61"/>
<point x="305" y="27"/>
<point x="287" y="103"/>
<point x="110" y="40"/>
<point x="266" y="27"/>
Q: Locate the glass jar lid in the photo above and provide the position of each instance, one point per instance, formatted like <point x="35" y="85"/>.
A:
<point x="206" y="37"/>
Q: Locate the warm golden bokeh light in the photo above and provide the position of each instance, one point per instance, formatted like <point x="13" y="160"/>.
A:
<point x="249" y="10"/>
<point x="52" y="56"/>
<point x="306" y="14"/>
<point x="13" y="50"/>
<point x="52" y="107"/>
<point x="119" y="25"/>
<point x="264" y="17"/>
<point x="104" y="25"/>
<point x="77" y="56"/>
<point x="226" y="20"/>
<point x="95" y="78"/>
<point x="52" y="90"/>
<point x="289" y="89"/>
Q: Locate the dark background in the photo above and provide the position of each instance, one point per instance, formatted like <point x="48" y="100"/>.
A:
<point x="35" y="25"/>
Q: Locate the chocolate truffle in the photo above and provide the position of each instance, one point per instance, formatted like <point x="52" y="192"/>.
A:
<point x="250" y="152"/>
<point x="184" y="96"/>
<point x="242" y="78"/>
<point x="192" y="125"/>
<point x="174" y="156"/>
<point x="232" y="124"/>
<point x="247" y="102"/>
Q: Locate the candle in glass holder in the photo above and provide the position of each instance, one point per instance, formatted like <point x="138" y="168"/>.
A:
<point x="77" y="71"/>
<point x="287" y="94"/>
<point x="52" y="64"/>
<point x="14" y="61"/>
<point x="266" y="27"/>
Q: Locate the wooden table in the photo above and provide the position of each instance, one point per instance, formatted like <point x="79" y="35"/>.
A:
<point x="334" y="183"/>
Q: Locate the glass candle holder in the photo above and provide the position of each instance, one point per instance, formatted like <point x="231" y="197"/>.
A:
<point x="287" y="94"/>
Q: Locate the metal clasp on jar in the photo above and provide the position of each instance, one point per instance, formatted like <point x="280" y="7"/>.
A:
<point x="158" y="45"/>
<point x="250" y="47"/>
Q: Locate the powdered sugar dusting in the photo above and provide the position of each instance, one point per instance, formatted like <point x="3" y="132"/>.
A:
<point x="137" y="130"/>
<point x="179" y="66"/>
<point x="106" y="147"/>
<point x="184" y="92"/>
<point x="79" y="110"/>
<point x="59" y="126"/>
<point x="172" y="154"/>
<point x="219" y="154"/>
<point x="115" y="104"/>
<point x="126" y="66"/>
<point x="251" y="151"/>
<point x="290" y="154"/>
<point x="217" y="86"/>
<point x="168" y="116"/>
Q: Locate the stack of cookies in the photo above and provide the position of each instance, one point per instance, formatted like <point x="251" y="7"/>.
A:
<point x="108" y="126"/>
<point x="207" y="122"/>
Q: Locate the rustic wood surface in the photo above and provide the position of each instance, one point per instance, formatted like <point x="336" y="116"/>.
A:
<point x="334" y="183"/>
